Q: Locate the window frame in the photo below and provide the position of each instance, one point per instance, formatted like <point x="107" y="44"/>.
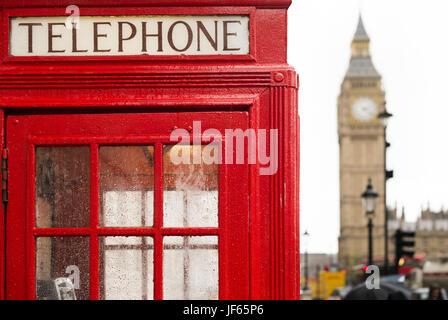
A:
<point x="233" y="203"/>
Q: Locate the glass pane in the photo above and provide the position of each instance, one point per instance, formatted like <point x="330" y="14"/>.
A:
<point x="190" y="197"/>
<point x="62" y="257"/>
<point x="126" y="268"/>
<point x="190" y="268"/>
<point x="126" y="186"/>
<point x="62" y="187"/>
<point x="128" y="208"/>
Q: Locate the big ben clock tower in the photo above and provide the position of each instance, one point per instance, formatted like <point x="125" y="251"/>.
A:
<point x="361" y="145"/>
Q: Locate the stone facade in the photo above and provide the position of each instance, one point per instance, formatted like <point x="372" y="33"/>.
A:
<point x="362" y="145"/>
<point x="431" y="233"/>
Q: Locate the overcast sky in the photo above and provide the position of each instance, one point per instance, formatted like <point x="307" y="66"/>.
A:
<point x="409" y="47"/>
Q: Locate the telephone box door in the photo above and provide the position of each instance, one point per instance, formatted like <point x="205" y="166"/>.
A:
<point x="127" y="206"/>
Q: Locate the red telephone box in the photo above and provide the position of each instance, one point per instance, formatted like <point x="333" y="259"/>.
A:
<point x="150" y="150"/>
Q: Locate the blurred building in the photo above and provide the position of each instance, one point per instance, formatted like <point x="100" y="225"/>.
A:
<point x="362" y="147"/>
<point x="431" y="228"/>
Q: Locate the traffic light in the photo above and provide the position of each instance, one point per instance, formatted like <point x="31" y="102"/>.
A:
<point x="403" y="239"/>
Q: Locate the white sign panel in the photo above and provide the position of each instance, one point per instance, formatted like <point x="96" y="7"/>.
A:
<point x="129" y="35"/>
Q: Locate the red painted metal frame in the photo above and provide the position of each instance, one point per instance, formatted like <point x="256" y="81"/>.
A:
<point x="2" y="220"/>
<point x="268" y="271"/>
<point x="36" y="12"/>
<point x="280" y="4"/>
<point x="265" y="88"/>
<point x="233" y="218"/>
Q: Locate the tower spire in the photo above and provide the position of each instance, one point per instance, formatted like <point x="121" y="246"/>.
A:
<point x="361" y="63"/>
<point x="361" y="34"/>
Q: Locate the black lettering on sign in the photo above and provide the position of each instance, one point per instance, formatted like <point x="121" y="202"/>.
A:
<point x="158" y="35"/>
<point x="97" y="35"/>
<point x="30" y="34"/>
<point x="189" y="38"/>
<point x="120" y="34"/>
<point x="74" y="40"/>
<point x="227" y="34"/>
<point x="51" y="36"/>
<point x="201" y="28"/>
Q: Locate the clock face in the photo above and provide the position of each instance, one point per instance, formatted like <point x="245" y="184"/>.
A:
<point x="364" y="109"/>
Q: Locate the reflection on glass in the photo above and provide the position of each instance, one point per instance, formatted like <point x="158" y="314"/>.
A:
<point x="126" y="268"/>
<point x="190" y="197"/>
<point x="190" y="268"/>
<point x="126" y="186"/>
<point x="66" y="257"/>
<point x="62" y="187"/>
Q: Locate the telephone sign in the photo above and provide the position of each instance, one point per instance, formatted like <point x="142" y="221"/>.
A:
<point x="130" y="35"/>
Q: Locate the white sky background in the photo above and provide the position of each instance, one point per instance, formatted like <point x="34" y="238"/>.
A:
<point x="409" y="46"/>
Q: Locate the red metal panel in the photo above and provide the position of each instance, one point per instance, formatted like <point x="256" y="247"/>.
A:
<point x="16" y="238"/>
<point x="285" y="246"/>
<point x="30" y="218"/>
<point x="260" y="243"/>
<point x="291" y="200"/>
<point x="262" y="85"/>
<point x="2" y="217"/>
<point x="158" y="223"/>
<point x="141" y="3"/>
<point x="237" y="286"/>
<point x="274" y="21"/>
<point x="94" y="212"/>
